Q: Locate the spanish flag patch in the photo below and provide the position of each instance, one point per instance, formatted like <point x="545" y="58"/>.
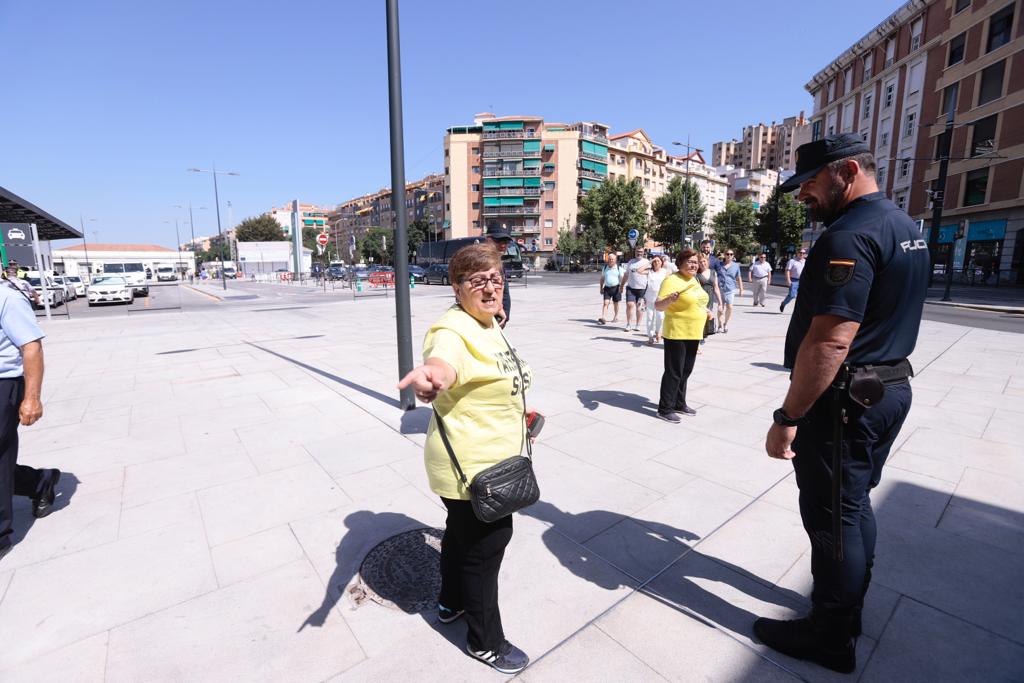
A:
<point x="839" y="271"/>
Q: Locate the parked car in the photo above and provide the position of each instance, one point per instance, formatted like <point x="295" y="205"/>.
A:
<point x="336" y="272"/>
<point x="110" y="289"/>
<point x="70" y="294"/>
<point x="358" y="273"/>
<point x="417" y="273"/>
<point x="53" y="292"/>
<point x="437" y="273"/>
<point x="76" y="282"/>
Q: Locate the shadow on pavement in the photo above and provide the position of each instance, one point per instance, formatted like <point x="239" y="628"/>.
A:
<point x="771" y="366"/>
<point x="636" y="343"/>
<point x="415" y="421"/>
<point x="617" y="399"/>
<point x="23" y="519"/>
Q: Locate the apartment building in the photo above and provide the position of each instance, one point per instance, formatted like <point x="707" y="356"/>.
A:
<point x="896" y="85"/>
<point x="521" y="173"/>
<point x="634" y="156"/>
<point x="754" y="186"/>
<point x="312" y="216"/>
<point x="714" y="189"/>
<point x="764" y="146"/>
<point x="424" y="200"/>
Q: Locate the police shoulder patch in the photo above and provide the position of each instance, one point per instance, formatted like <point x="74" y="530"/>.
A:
<point x="839" y="271"/>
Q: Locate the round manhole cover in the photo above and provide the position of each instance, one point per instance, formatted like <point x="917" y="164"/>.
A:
<point x="403" y="571"/>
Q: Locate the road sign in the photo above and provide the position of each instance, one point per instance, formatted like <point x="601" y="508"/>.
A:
<point x="320" y="248"/>
<point x="632" y="236"/>
<point x="322" y="239"/>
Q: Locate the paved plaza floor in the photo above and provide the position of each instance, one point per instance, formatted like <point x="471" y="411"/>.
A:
<point x="227" y="469"/>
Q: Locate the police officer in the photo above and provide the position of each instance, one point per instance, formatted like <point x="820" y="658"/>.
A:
<point x="21" y="380"/>
<point x="500" y="238"/>
<point x="855" y="322"/>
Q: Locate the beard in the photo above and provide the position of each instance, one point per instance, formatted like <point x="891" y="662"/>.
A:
<point x="832" y="207"/>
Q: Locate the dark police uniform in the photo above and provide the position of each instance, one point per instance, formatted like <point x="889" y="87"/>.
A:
<point x="870" y="266"/>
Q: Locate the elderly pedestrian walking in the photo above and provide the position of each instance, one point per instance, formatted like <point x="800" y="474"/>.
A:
<point x="708" y="279"/>
<point x="612" y="282"/>
<point x="636" y="285"/>
<point x="759" y="277"/>
<point x="477" y="383"/>
<point x="685" y="303"/>
<point x="21" y="382"/>
<point x="794" y="269"/>
<point x="654" y="318"/>
<point x="729" y="282"/>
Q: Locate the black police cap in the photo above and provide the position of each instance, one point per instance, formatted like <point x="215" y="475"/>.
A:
<point x="814" y="156"/>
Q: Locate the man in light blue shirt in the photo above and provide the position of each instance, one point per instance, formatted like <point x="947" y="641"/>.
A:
<point x="21" y="382"/>
<point x="729" y="281"/>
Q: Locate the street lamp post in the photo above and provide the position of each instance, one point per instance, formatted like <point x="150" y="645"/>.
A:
<point x="85" y="243"/>
<point x="216" y="198"/>
<point x="686" y="187"/>
<point x="177" y="243"/>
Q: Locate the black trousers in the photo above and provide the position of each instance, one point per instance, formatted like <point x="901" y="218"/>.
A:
<point x="680" y="355"/>
<point x="15" y="479"/>
<point x="471" y="555"/>
<point x="867" y="439"/>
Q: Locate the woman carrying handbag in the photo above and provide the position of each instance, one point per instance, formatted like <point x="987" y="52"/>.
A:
<point x="477" y="384"/>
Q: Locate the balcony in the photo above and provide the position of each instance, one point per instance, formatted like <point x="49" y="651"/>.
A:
<point x="596" y="157"/>
<point x="511" y="154"/>
<point x="586" y="173"/>
<point x="596" y="137"/>
<point x="501" y="173"/>
<point x="512" y="210"/>
<point x="512" y="191"/>
<point x="508" y="134"/>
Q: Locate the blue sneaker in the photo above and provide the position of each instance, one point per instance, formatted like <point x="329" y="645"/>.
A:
<point x="447" y="616"/>
<point x="508" y="659"/>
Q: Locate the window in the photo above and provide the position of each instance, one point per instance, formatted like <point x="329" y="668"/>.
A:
<point x="647" y="182"/>
<point x="867" y="105"/>
<point x="869" y="61"/>
<point x="956" y="49"/>
<point x="905" y="164"/>
<point x="831" y="90"/>
<point x="549" y="186"/>
<point x="476" y="169"/>
<point x="961" y="5"/>
<point x="890" y="94"/>
<point x="637" y="164"/>
<point x="816" y="130"/>
<point x="549" y="205"/>
<point x="880" y="175"/>
<point x="475" y="188"/>
<point x="848" y="117"/>
<point x="890" y="52"/>
<point x="549" y="223"/>
<point x="916" y="31"/>
<point x="476" y="205"/>
<point x="974" y="188"/>
<point x="901" y="200"/>
<point x="999" y="28"/>
<point x="991" y="83"/>
<point x="908" y="124"/>
<point x="476" y="224"/>
<point x="983" y="139"/>
<point x="915" y="77"/>
<point x="949" y="96"/>
<point x="621" y="161"/>
<point x="548" y="241"/>
<point x="848" y="80"/>
<point x="476" y="150"/>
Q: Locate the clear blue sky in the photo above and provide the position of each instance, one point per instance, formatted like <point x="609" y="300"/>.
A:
<point x="108" y="102"/>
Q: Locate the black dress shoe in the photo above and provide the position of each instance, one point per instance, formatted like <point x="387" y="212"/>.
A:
<point x="4" y="550"/>
<point x="43" y="505"/>
<point x="686" y="410"/>
<point x="831" y="647"/>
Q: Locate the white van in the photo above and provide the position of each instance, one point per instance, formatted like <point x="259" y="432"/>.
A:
<point x="134" y="273"/>
<point x="165" y="274"/>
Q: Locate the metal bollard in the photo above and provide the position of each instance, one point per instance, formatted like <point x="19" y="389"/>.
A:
<point x="412" y="282"/>
<point x="359" y="285"/>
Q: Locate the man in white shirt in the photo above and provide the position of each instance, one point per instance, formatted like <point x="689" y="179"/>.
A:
<point x="636" y="288"/>
<point x="794" y="269"/>
<point x="759" y="276"/>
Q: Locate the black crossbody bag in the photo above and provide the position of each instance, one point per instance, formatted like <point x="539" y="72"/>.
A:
<point x="507" y="486"/>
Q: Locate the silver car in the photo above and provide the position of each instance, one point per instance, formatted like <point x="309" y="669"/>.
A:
<point x="110" y="289"/>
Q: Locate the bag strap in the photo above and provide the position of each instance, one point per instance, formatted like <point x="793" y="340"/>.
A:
<point x="522" y="394"/>
<point x="448" y="447"/>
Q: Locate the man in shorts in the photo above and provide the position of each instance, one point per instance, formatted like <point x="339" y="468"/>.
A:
<point x="729" y="282"/>
<point x="636" y="288"/>
<point x="612" y="279"/>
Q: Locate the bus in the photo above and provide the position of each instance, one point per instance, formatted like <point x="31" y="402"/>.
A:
<point x="443" y="250"/>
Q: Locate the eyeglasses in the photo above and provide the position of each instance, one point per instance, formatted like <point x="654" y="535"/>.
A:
<point x="803" y="251"/>
<point x="479" y="282"/>
<point x="728" y="253"/>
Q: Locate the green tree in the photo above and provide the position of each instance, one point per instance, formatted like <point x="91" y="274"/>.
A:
<point x="259" y="229"/>
<point x="734" y="228"/>
<point x="611" y="209"/>
<point x="377" y="244"/>
<point x="792" y="221"/>
<point x="568" y="244"/>
<point x="419" y="230"/>
<point x="668" y="212"/>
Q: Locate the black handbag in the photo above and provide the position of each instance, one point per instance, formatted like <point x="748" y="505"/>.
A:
<point x="507" y="486"/>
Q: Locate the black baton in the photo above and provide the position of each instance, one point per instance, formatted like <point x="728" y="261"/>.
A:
<point x="839" y="388"/>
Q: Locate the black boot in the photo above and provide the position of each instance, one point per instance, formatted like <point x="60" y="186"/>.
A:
<point x="823" y="638"/>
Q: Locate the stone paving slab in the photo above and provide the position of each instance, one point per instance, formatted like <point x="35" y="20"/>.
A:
<point x="228" y="468"/>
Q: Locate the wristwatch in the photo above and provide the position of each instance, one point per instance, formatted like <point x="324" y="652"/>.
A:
<point x="780" y="418"/>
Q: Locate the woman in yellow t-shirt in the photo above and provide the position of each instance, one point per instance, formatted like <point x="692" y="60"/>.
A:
<point x="685" y="303"/>
<point x="476" y="382"/>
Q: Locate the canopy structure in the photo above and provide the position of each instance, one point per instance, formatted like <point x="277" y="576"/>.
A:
<point x="14" y="209"/>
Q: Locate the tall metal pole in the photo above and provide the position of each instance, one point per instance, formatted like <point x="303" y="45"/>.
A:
<point x="938" y="199"/>
<point x="220" y="230"/>
<point x="43" y="278"/>
<point x="402" y="309"/>
<point x="177" y="243"/>
<point x="686" y="195"/>
<point x="85" y="243"/>
<point x="296" y="240"/>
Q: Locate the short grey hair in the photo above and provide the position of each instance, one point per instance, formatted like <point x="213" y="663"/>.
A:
<point x="865" y="160"/>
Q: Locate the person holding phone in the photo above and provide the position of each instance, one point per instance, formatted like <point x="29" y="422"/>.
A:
<point x="685" y="304"/>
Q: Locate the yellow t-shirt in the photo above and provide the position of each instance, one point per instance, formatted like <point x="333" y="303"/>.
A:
<point x="483" y="410"/>
<point x="685" y="318"/>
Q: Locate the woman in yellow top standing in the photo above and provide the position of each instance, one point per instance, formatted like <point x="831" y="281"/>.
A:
<point x="685" y="303"/>
<point x="476" y="382"/>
